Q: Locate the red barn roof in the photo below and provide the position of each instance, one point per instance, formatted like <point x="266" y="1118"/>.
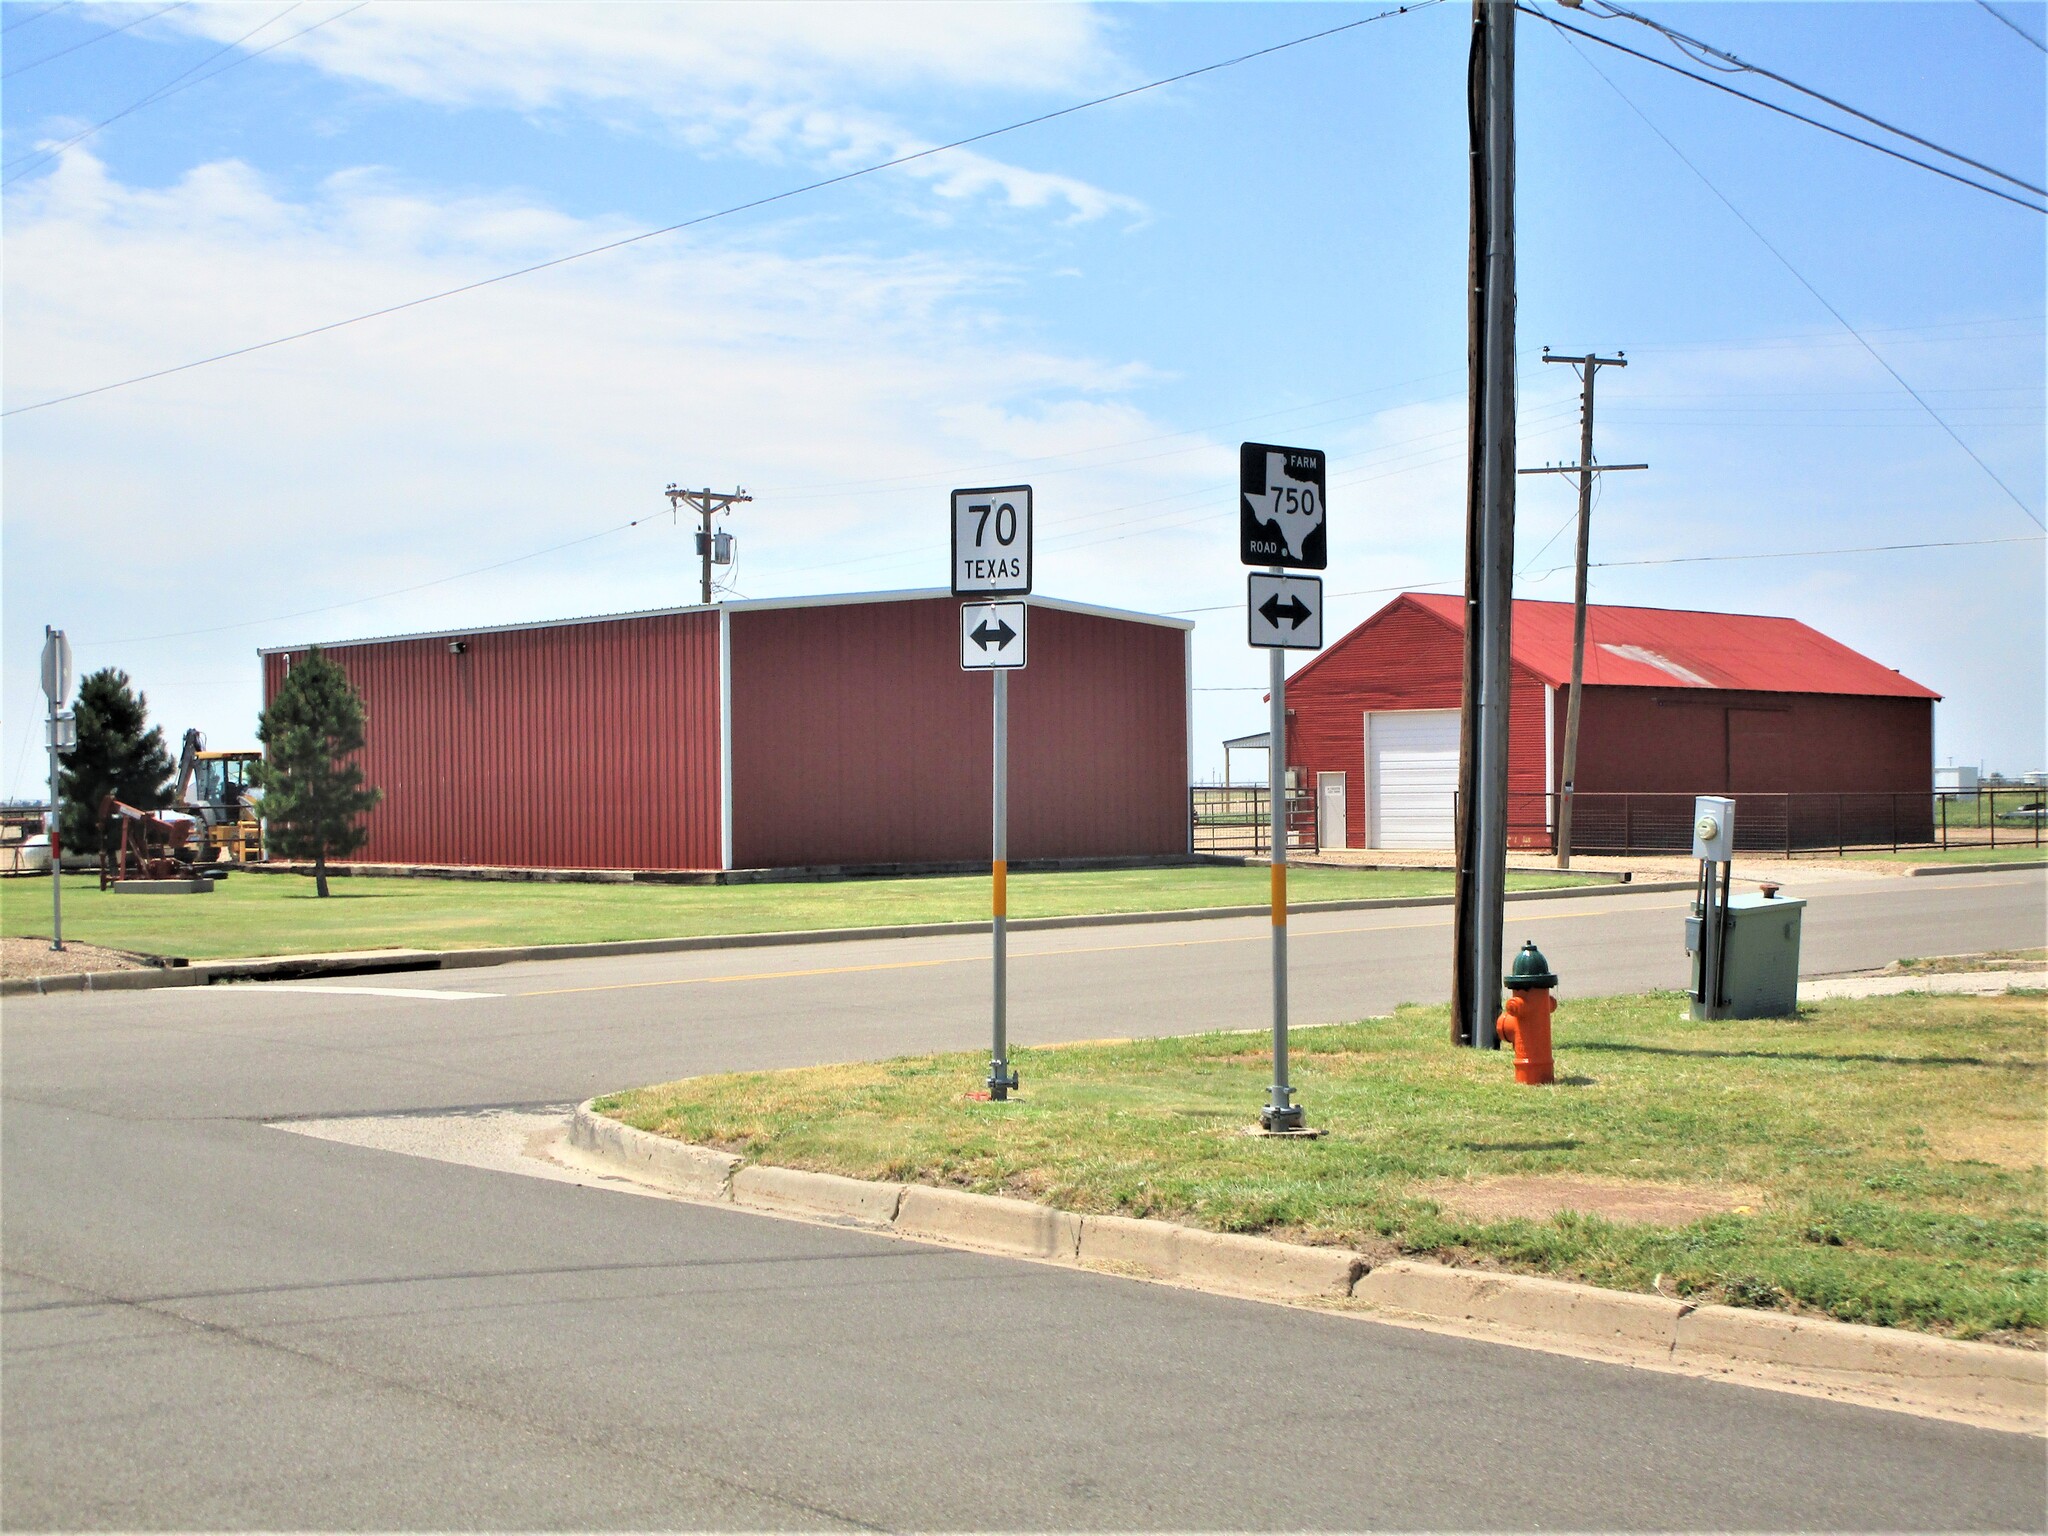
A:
<point x="1679" y="648"/>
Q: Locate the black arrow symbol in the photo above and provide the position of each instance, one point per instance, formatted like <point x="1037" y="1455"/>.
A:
<point x="1294" y="609"/>
<point x="999" y="637"/>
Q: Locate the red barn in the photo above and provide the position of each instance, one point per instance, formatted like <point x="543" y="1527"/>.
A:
<point x="831" y="732"/>
<point x="1818" y="743"/>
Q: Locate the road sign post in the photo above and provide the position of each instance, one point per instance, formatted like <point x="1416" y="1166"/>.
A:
<point x="56" y="688"/>
<point x="991" y="559"/>
<point x="1281" y="525"/>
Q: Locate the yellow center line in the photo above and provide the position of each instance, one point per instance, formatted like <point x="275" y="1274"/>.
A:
<point x="1040" y="954"/>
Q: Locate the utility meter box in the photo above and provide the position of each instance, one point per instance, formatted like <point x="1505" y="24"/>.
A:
<point x="1713" y="828"/>
<point x="1760" y="964"/>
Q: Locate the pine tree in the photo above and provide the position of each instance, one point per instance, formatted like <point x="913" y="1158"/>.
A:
<point x="115" y="756"/>
<point x="313" y="798"/>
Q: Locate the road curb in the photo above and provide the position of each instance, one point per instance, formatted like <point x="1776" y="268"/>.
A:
<point x="1984" y="1384"/>
<point x="201" y="973"/>
<point x="1976" y="869"/>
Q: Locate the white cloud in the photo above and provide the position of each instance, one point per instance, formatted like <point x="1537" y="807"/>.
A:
<point x="397" y="451"/>
<point x="770" y="80"/>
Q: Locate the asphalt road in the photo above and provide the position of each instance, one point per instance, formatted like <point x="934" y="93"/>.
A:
<point x="211" y="1323"/>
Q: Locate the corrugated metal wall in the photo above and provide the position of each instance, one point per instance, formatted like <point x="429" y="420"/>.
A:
<point x="857" y="739"/>
<point x="1700" y="741"/>
<point x="1407" y="658"/>
<point x="584" y="746"/>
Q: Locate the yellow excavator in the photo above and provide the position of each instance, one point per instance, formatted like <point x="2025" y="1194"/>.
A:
<point x="214" y="789"/>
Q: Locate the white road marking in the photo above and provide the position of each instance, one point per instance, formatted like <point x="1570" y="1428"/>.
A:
<point x="256" y="988"/>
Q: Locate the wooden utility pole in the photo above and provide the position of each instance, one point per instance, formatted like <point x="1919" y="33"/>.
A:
<point x="1489" y="529"/>
<point x="705" y="503"/>
<point x="1585" y="469"/>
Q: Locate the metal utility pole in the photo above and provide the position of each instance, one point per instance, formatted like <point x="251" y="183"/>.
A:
<point x="1489" y="529"/>
<point x="706" y="504"/>
<point x="63" y="736"/>
<point x="1585" y="469"/>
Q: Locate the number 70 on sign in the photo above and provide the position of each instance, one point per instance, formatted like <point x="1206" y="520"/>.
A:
<point x="992" y="541"/>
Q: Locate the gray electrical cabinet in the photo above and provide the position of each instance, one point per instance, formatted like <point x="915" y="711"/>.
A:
<point x="1760" y="966"/>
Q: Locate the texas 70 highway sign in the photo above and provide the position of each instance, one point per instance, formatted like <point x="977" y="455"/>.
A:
<point x="992" y="542"/>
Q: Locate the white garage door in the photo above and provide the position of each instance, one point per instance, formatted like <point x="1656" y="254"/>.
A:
<point x="1412" y="765"/>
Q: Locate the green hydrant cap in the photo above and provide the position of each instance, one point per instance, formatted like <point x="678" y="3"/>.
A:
<point x="1531" y="970"/>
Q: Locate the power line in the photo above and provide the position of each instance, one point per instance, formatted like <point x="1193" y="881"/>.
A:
<point x="97" y="37"/>
<point x="737" y="208"/>
<point x="1840" y="133"/>
<point x="1744" y="66"/>
<point x="1786" y="263"/>
<point x="1799" y="554"/>
<point x="173" y="86"/>
<point x="355" y="602"/>
<point x="2023" y="32"/>
<point x="1603" y="565"/>
<point x="60" y="4"/>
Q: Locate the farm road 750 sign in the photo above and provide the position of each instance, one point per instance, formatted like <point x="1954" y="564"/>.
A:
<point x="1281" y="511"/>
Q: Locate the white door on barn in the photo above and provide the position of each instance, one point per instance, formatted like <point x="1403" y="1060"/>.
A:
<point x="1411" y="768"/>
<point x="1329" y="810"/>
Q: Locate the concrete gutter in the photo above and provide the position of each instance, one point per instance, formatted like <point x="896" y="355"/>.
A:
<point x="202" y="973"/>
<point x="1982" y="1384"/>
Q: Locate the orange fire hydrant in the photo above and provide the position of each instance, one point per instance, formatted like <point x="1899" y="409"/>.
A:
<point x="1526" y="1023"/>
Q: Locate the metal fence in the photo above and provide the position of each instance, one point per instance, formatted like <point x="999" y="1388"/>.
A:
<point x="1234" y="820"/>
<point x="1238" y="819"/>
<point x="1798" y="821"/>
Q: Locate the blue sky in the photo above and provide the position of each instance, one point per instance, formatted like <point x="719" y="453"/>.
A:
<point x="1103" y="306"/>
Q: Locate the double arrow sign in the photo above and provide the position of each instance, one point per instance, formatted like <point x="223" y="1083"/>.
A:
<point x="1285" y="612"/>
<point x="991" y="636"/>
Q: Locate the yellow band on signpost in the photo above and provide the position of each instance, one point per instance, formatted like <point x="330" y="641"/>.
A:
<point x="1279" y="894"/>
<point x="1002" y="882"/>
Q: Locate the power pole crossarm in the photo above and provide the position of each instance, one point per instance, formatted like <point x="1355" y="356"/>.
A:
<point x="1589" y="368"/>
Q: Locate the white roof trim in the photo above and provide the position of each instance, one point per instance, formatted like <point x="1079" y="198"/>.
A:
<point x="743" y="605"/>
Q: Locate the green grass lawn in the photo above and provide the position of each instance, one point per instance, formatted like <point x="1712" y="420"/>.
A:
<point x="252" y="914"/>
<point x="2014" y="852"/>
<point x="1882" y="1157"/>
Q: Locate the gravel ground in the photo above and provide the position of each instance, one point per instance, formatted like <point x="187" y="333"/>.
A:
<point x="34" y="957"/>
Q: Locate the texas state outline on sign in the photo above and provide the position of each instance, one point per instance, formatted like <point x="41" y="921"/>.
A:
<point x="1296" y="522"/>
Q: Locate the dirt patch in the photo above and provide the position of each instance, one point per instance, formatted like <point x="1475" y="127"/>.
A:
<point x="1538" y="1198"/>
<point x="2003" y="1143"/>
<point x="1989" y="960"/>
<point x="34" y="957"/>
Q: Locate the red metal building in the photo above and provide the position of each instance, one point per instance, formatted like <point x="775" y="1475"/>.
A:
<point x="829" y="732"/>
<point x="1818" y="743"/>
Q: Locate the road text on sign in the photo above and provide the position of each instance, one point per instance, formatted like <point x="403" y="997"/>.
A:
<point x="1281" y="511"/>
<point x="992" y="542"/>
<point x="991" y="636"/>
<point x="1285" y="613"/>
